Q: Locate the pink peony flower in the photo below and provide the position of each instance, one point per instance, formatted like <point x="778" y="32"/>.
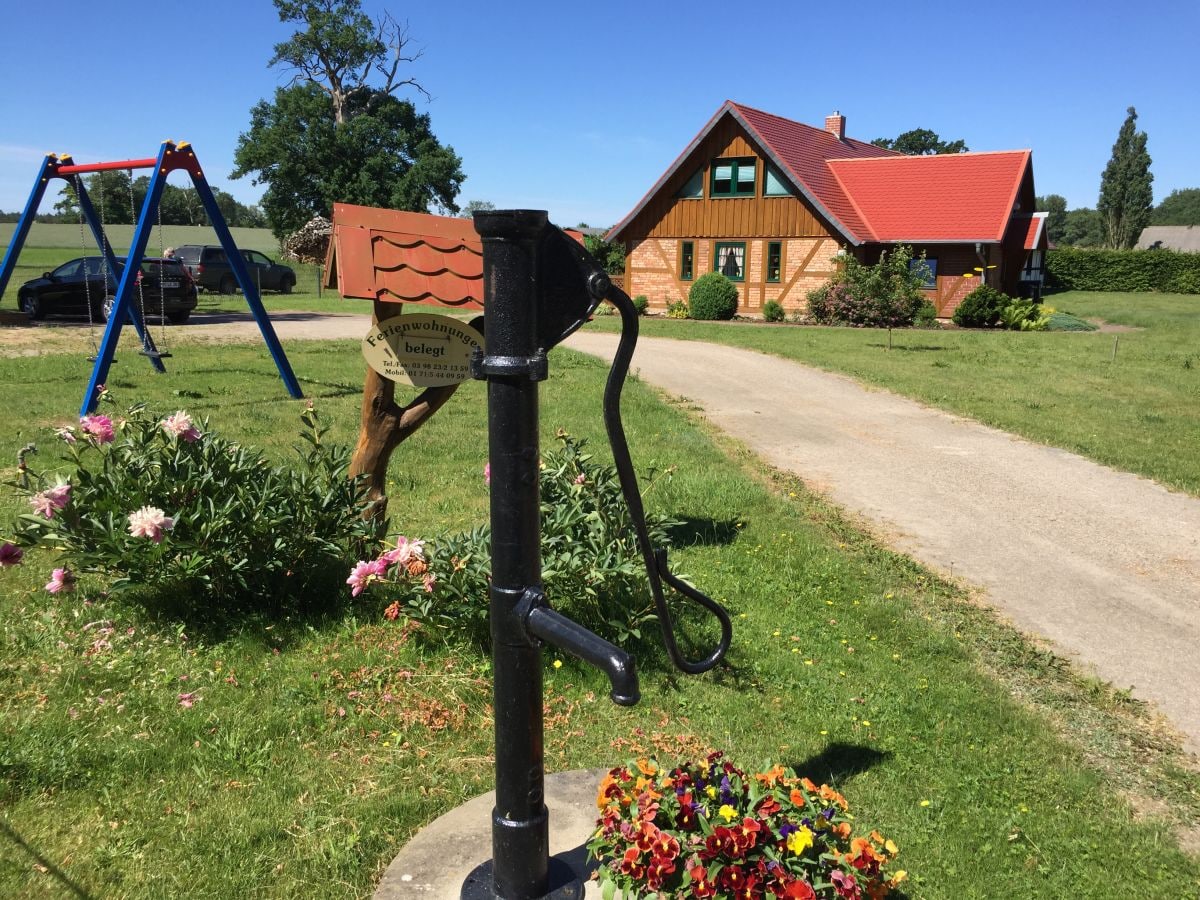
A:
<point x="580" y="478"/>
<point x="10" y="554"/>
<point x="151" y="522"/>
<point x="364" y="573"/>
<point x="46" y="502"/>
<point x="487" y="473"/>
<point x="429" y="581"/>
<point x="98" y="428"/>
<point x="67" y="435"/>
<point x="61" y="580"/>
<point x="406" y="551"/>
<point x="180" y="425"/>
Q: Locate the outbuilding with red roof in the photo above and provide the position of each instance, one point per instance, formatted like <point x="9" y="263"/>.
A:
<point x="772" y="203"/>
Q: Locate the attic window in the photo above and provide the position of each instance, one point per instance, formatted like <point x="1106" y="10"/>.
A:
<point x="693" y="188"/>
<point x="773" y="183"/>
<point x="733" y="177"/>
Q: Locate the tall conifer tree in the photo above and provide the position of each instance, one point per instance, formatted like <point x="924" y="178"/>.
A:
<point x="1125" y="195"/>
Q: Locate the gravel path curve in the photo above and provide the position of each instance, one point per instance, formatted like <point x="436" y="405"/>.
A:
<point x="1104" y="564"/>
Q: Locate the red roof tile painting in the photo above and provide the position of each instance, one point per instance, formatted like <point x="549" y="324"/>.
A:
<point x="404" y="257"/>
<point x="949" y="197"/>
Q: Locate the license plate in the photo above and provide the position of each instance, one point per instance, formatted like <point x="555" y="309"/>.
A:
<point x="170" y="284"/>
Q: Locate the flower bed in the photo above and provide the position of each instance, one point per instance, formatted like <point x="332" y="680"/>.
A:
<point x="708" y="829"/>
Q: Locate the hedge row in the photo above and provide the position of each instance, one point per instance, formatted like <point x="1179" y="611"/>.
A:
<point x="1069" y="269"/>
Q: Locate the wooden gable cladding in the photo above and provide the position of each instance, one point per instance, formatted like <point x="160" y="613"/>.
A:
<point x="668" y="216"/>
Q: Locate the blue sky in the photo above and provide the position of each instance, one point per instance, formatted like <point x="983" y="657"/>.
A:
<point x="579" y="107"/>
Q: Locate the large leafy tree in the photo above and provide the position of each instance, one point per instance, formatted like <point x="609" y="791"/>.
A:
<point x="1181" y="207"/>
<point x="920" y="142"/>
<point x="1056" y="221"/>
<point x="387" y="156"/>
<point x="1083" y="228"/>
<point x="1125" y="194"/>
<point x="337" y="132"/>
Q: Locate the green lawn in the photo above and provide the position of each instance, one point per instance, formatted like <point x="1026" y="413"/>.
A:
<point x="1139" y="412"/>
<point x="320" y="743"/>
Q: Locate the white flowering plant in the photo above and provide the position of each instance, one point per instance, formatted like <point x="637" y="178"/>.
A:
<point x="161" y="502"/>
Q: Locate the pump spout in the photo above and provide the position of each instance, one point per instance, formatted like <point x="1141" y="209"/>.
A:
<point x="572" y="637"/>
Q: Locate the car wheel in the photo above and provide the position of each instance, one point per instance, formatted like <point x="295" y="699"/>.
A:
<point x="179" y="318"/>
<point x="33" y="306"/>
<point x="286" y="283"/>
<point x="228" y="284"/>
<point x="107" y="306"/>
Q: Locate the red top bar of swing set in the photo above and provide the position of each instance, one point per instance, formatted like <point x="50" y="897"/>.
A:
<point x="106" y="166"/>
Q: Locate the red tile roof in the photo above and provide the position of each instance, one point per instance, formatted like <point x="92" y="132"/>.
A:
<point x="949" y="197"/>
<point x="403" y="257"/>
<point x="1035" y="231"/>
<point x="869" y="194"/>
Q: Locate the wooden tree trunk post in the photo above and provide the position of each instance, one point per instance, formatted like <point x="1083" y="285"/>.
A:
<point x="385" y="424"/>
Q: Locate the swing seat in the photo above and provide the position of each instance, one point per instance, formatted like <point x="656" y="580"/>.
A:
<point x="155" y="354"/>
<point x="92" y="359"/>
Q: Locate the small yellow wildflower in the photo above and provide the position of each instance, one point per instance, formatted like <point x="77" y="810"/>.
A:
<point x="924" y="802"/>
<point x="558" y="664"/>
<point x="727" y="812"/>
<point x="800" y="840"/>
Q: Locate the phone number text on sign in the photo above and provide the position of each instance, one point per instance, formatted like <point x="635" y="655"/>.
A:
<point x="422" y="349"/>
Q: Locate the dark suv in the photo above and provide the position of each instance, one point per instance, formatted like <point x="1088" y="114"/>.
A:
<point x="209" y="267"/>
<point x="163" y="288"/>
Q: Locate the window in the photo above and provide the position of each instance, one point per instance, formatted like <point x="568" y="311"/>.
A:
<point x="733" y="177"/>
<point x="687" y="258"/>
<point x="693" y="188"/>
<point x="773" y="183"/>
<point x="730" y="261"/>
<point x="774" y="260"/>
<point x="930" y="282"/>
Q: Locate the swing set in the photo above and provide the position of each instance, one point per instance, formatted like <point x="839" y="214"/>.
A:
<point x="171" y="157"/>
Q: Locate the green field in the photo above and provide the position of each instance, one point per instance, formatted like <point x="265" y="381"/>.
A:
<point x="1130" y="400"/>
<point x="998" y="771"/>
<point x="67" y="237"/>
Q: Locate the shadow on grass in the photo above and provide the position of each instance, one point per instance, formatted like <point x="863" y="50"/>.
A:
<point x="838" y="762"/>
<point x="43" y="864"/>
<point x="702" y="532"/>
<point x="911" y="348"/>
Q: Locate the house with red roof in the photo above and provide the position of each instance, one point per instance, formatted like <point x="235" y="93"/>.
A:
<point x="772" y="203"/>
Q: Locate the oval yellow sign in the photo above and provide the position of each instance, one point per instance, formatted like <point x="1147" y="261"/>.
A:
<point x="422" y="349"/>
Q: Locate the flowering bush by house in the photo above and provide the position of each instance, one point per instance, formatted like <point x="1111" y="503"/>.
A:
<point x="708" y="829"/>
<point x="159" y="501"/>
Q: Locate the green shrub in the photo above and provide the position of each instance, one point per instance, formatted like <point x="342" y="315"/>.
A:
<point x="981" y="308"/>
<point x="1062" y="321"/>
<point x="926" y="316"/>
<point x="605" y="309"/>
<point x="1024" y="315"/>
<point x="162" y="503"/>
<point x="772" y="311"/>
<point x="885" y="295"/>
<point x="1072" y="269"/>
<point x="677" y="309"/>
<point x="591" y="566"/>
<point x="641" y="304"/>
<point x="712" y="296"/>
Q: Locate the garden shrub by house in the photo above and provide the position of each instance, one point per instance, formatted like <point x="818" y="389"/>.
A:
<point x="712" y="296"/>
<point x="981" y="308"/>
<point x="884" y="295"/>
<point x="772" y="311"/>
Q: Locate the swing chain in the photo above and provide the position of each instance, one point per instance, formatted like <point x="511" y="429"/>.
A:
<point x="77" y="184"/>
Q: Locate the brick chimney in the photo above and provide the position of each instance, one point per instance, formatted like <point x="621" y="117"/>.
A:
<point x="836" y="125"/>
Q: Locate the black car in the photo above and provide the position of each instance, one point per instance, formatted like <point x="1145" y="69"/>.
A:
<point x="69" y="288"/>
<point x="209" y="267"/>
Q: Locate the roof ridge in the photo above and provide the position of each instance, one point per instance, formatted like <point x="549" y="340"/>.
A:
<point x="971" y="153"/>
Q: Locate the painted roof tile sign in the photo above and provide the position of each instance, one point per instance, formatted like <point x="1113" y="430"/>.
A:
<point x="421" y="349"/>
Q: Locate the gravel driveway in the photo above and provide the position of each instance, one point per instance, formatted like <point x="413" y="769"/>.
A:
<point x="1104" y="564"/>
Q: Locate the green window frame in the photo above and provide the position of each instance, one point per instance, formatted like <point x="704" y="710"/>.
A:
<point x="774" y="268"/>
<point x="773" y="183"/>
<point x="729" y="258"/>
<point x="687" y="261"/>
<point x="734" y="177"/>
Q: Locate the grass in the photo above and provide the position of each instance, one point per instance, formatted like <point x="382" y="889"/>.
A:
<point x="320" y="743"/>
<point x="66" y="237"/>
<point x="1137" y="412"/>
